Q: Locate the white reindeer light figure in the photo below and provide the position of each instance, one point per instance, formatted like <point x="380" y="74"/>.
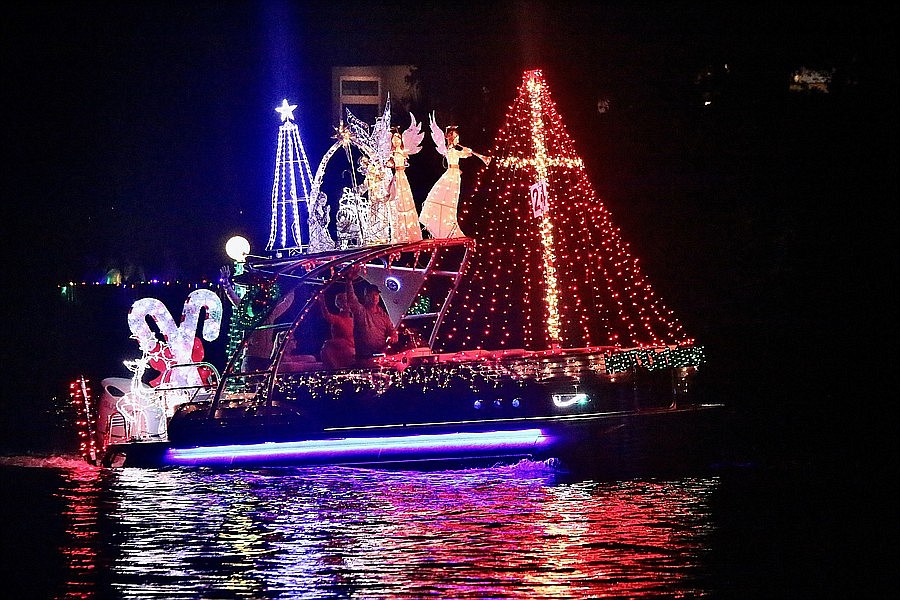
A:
<point x="140" y="406"/>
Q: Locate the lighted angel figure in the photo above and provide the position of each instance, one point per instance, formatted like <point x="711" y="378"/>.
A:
<point x="375" y="186"/>
<point x="439" y="209"/>
<point x="405" y="219"/>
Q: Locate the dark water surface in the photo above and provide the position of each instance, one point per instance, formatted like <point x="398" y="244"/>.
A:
<point x="524" y="531"/>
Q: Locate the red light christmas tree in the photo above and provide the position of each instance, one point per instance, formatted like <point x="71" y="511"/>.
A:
<point x="550" y="268"/>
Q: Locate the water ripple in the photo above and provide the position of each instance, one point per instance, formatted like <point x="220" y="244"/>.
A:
<point x="328" y="532"/>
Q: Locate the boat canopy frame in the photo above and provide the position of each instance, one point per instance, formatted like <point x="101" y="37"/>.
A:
<point x="319" y="271"/>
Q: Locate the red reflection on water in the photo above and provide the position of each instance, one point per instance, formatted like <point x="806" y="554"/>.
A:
<point x="79" y="487"/>
<point x="82" y="513"/>
<point x="521" y="539"/>
<point x="355" y="533"/>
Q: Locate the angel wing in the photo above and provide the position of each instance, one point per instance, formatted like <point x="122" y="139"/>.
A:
<point x="357" y="127"/>
<point x="378" y="136"/>
<point x="381" y="143"/>
<point x="437" y="134"/>
<point x="413" y="136"/>
<point x="381" y="133"/>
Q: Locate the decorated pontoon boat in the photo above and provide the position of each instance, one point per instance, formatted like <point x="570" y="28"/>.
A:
<point x="537" y="337"/>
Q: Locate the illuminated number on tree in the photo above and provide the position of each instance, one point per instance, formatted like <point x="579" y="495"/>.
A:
<point x="538" y="196"/>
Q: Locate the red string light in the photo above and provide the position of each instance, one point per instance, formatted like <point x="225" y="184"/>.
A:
<point x="562" y="278"/>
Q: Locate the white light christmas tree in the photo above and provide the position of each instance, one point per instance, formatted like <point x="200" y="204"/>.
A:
<point x="290" y="191"/>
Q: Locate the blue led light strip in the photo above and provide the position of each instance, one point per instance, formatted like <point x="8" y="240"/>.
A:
<point x="365" y="449"/>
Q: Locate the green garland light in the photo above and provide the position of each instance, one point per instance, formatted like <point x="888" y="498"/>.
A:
<point x="257" y="303"/>
<point x="653" y="359"/>
<point x="481" y="376"/>
<point x="430" y="377"/>
<point x="421" y="306"/>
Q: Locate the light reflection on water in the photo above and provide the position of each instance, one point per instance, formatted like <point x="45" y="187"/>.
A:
<point x="506" y="532"/>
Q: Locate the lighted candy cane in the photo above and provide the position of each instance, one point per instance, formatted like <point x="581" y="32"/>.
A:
<point x="180" y="338"/>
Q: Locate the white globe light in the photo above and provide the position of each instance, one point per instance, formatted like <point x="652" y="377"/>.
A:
<point x="237" y="248"/>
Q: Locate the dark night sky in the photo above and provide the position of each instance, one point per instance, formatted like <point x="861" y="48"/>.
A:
<point x="143" y="133"/>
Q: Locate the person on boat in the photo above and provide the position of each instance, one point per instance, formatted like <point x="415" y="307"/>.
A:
<point x="405" y="225"/>
<point x="260" y="339"/>
<point x="372" y="327"/>
<point x="439" y="209"/>
<point x="339" y="351"/>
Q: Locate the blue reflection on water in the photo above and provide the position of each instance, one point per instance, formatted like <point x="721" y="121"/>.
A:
<point x="521" y="531"/>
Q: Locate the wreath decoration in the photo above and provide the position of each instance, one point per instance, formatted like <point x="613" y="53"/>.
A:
<point x="257" y="303"/>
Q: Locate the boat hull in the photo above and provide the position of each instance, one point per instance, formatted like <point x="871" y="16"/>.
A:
<point x="608" y="444"/>
<point x="607" y="408"/>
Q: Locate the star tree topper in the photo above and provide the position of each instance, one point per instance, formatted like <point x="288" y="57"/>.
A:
<point x="286" y="110"/>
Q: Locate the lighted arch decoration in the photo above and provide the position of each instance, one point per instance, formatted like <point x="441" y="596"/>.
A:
<point x="319" y="238"/>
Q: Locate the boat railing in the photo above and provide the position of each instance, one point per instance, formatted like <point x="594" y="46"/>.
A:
<point x="186" y="383"/>
<point x="117" y="429"/>
<point x="208" y="378"/>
